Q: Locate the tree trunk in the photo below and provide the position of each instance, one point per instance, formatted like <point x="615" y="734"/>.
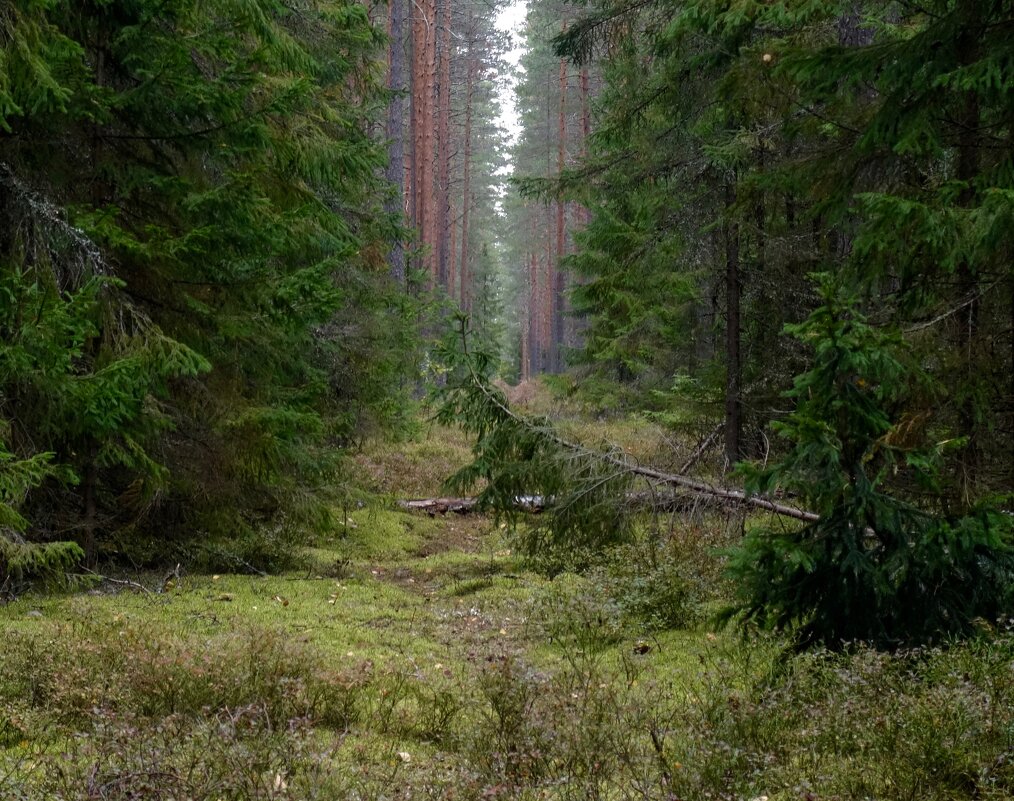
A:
<point x="418" y="209"/>
<point x="851" y="32"/>
<point x="534" y="309"/>
<point x="452" y="256"/>
<point x="967" y="171"/>
<point x="430" y="237"/>
<point x="557" y="290"/>
<point x="395" y="173"/>
<point x="443" y="220"/>
<point x="546" y="298"/>
<point x="464" y="274"/>
<point x="733" y="368"/>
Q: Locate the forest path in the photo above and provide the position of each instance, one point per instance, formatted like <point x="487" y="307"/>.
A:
<point x="438" y="647"/>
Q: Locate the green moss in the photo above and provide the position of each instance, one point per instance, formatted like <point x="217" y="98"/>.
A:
<point x="384" y="534"/>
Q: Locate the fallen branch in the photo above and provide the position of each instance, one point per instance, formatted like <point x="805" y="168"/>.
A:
<point x="706" y="443"/>
<point x="465" y="506"/>
<point x="731" y="495"/>
<point x="695" y="486"/>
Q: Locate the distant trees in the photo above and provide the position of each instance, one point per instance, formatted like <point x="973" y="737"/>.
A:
<point x="453" y="146"/>
<point x="554" y="106"/>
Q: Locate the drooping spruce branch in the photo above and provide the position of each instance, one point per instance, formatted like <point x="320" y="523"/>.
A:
<point x="582" y="490"/>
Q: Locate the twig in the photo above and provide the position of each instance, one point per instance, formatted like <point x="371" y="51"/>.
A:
<point x="701" y="450"/>
<point x="535" y="504"/>
<point x="967" y="302"/>
<point x="120" y="582"/>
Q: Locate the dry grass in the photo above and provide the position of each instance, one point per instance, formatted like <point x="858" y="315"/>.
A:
<point x="416" y="468"/>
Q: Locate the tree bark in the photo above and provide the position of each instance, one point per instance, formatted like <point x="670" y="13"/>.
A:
<point x="546" y="299"/>
<point x="534" y="504"/>
<point x="967" y="171"/>
<point x="430" y="237"/>
<point x="452" y="257"/>
<point x="464" y="274"/>
<point x="733" y="368"/>
<point x="418" y="209"/>
<point x="534" y="309"/>
<point x="443" y="220"/>
<point x="395" y="173"/>
<point x="558" y="288"/>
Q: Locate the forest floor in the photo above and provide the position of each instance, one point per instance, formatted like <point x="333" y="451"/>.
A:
<point x="416" y="657"/>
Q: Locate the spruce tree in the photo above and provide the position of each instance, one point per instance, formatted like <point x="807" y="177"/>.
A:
<point x="874" y="567"/>
<point x="196" y="312"/>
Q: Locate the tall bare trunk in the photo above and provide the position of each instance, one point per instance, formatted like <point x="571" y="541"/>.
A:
<point x="533" y="311"/>
<point x="733" y="368"/>
<point x="464" y="274"/>
<point x="546" y="296"/>
<point x="559" y="282"/>
<point x="443" y="219"/>
<point x="429" y="138"/>
<point x="452" y="256"/>
<point x="417" y="159"/>
<point x="395" y="131"/>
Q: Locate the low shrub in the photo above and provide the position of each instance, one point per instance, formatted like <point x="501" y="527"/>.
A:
<point x="134" y="671"/>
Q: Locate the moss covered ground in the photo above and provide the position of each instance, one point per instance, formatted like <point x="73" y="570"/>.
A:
<point x="419" y="658"/>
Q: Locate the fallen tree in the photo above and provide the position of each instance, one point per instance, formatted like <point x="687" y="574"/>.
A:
<point x="535" y="504"/>
<point x="585" y="498"/>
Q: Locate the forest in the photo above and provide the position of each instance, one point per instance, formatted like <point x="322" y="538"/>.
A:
<point x="475" y="399"/>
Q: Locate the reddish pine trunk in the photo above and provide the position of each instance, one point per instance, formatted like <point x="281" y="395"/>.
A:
<point x="395" y="131"/>
<point x="546" y="298"/>
<point x="534" y="313"/>
<point x="429" y="138"/>
<point x="452" y="258"/>
<point x="465" y="292"/>
<point x="418" y="207"/>
<point x="443" y="218"/>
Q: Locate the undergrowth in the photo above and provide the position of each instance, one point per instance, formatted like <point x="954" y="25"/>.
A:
<point x="576" y="708"/>
<point x="418" y="658"/>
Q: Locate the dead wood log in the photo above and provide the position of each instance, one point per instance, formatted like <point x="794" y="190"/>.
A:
<point x="440" y="506"/>
<point x="534" y="504"/>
